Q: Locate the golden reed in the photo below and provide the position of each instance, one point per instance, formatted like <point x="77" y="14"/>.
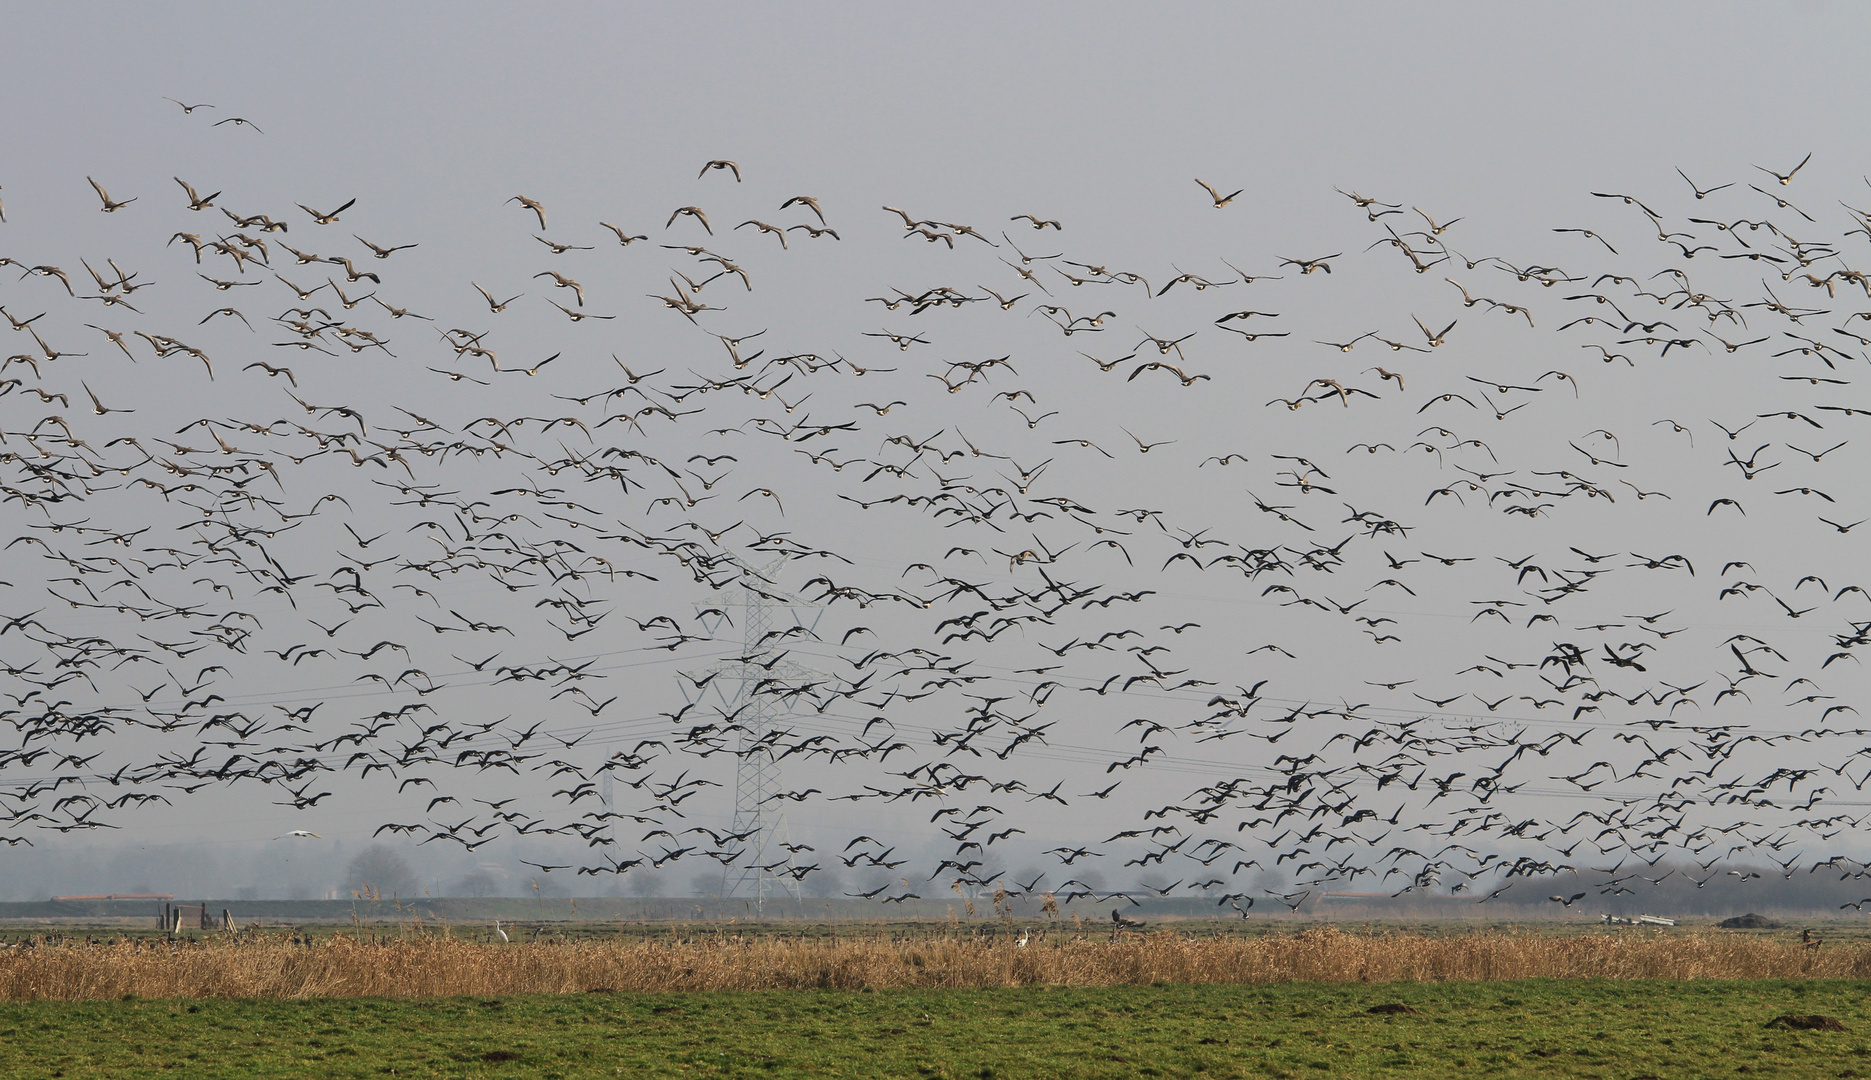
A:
<point x="250" y="966"/>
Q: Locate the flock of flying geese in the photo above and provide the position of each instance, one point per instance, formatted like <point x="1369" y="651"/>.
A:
<point x="339" y="543"/>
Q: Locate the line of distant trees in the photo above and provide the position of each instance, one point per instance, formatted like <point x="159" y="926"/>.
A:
<point x="1678" y="888"/>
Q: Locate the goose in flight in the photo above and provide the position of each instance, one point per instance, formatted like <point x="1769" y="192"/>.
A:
<point x="810" y="202"/>
<point x="692" y="211"/>
<point x="1702" y="192"/>
<point x="560" y="249"/>
<point x="561" y="281"/>
<point x="1220" y="200"/>
<point x="765" y="228"/>
<point x="196" y="202"/>
<point x="623" y="237"/>
<point x="497" y="306"/>
<point x="533" y="205"/>
<point x="110" y="207"/>
<point x="1784" y="178"/>
<point x="1307" y="266"/>
<point x="380" y="252"/>
<point x="324" y="218"/>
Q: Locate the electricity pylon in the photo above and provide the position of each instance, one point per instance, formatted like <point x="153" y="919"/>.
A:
<point x="765" y="866"/>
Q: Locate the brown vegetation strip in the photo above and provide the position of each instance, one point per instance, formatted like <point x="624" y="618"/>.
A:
<point x="422" y="966"/>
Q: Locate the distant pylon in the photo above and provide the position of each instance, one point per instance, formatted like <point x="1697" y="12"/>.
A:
<point x="765" y="866"/>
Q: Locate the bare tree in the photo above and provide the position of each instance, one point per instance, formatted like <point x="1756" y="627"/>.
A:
<point x="380" y="870"/>
<point x="479" y="883"/>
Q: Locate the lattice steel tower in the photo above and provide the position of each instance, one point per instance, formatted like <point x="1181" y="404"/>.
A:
<point x="766" y="866"/>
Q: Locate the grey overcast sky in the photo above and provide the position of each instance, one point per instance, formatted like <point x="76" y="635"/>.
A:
<point x="1452" y="460"/>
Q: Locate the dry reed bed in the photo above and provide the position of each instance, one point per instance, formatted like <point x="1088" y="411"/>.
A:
<point x="422" y="966"/>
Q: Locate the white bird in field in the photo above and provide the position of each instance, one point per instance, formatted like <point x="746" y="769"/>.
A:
<point x="1025" y="935"/>
<point x="303" y="834"/>
<point x="499" y="931"/>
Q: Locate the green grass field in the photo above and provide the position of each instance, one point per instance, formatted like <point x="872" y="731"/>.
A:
<point x="1543" y="1028"/>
